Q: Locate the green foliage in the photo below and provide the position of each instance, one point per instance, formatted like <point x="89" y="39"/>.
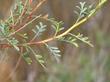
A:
<point x="4" y="29"/>
<point x="82" y="38"/>
<point x="38" y="57"/>
<point x="39" y="29"/>
<point x="14" y="42"/>
<point x="55" y="51"/>
<point x="84" y="10"/>
<point x="70" y="40"/>
<point x="56" y="25"/>
<point x="26" y="57"/>
<point x="23" y="15"/>
<point x="20" y="6"/>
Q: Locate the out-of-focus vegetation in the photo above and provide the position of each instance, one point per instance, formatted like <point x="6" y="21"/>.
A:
<point x="82" y="64"/>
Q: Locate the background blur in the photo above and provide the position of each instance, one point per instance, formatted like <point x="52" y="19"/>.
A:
<point x="83" y="64"/>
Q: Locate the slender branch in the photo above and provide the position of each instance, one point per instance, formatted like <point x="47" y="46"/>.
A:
<point x="72" y="27"/>
<point x="60" y="35"/>
<point x="24" y="26"/>
<point x="36" y="8"/>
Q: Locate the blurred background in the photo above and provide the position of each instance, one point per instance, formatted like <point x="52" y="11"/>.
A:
<point x="82" y="64"/>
